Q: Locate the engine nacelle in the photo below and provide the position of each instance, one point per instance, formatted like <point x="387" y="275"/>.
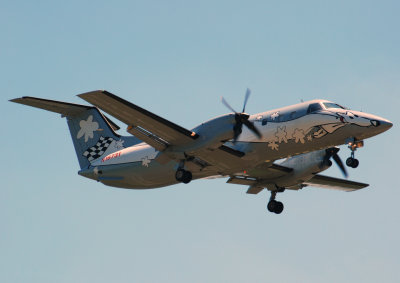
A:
<point x="304" y="167"/>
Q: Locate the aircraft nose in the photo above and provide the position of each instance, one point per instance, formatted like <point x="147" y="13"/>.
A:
<point x="385" y="124"/>
<point x="382" y="124"/>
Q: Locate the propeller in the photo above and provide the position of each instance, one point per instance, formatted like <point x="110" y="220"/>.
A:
<point x="332" y="152"/>
<point x="242" y="118"/>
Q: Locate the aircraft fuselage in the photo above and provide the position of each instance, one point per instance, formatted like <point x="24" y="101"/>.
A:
<point x="287" y="131"/>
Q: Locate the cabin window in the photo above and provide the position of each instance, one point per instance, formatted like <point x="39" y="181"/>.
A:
<point x="314" y="107"/>
<point x="332" y="105"/>
<point x="264" y="122"/>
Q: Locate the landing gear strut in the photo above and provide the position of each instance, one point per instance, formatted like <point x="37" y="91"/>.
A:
<point x="353" y="145"/>
<point x="183" y="175"/>
<point x="273" y="205"/>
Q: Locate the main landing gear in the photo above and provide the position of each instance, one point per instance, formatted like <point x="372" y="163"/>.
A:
<point x="273" y="205"/>
<point x="353" y="145"/>
<point x="183" y="176"/>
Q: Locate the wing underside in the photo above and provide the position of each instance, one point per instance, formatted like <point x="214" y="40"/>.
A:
<point x="327" y="182"/>
<point x="269" y="176"/>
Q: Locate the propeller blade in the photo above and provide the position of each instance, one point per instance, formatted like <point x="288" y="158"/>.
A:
<point x="339" y="162"/>
<point x="252" y="128"/>
<point x="246" y="98"/>
<point x="332" y="152"/>
<point x="235" y="136"/>
<point x="237" y="129"/>
<point x="227" y="104"/>
<point x="241" y="118"/>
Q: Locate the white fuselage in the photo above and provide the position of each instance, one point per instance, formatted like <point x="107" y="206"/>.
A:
<point x="285" y="132"/>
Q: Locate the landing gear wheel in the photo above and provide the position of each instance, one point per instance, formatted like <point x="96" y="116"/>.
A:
<point x="183" y="176"/>
<point x="179" y="175"/>
<point x="279" y="208"/>
<point x="275" y="206"/>
<point x="353" y="145"/>
<point x="187" y="177"/>
<point x="271" y="205"/>
<point x="352" y="162"/>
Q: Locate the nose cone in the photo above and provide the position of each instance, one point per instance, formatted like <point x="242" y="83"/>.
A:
<point x="385" y="125"/>
<point x="370" y="125"/>
<point x="380" y="124"/>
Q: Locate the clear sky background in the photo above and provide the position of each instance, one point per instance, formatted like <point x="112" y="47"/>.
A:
<point x="176" y="59"/>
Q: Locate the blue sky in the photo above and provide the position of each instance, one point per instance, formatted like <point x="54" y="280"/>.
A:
<point x="176" y="59"/>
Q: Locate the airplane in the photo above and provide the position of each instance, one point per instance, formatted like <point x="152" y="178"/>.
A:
<point x="276" y="150"/>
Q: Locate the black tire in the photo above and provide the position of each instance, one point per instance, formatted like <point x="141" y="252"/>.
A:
<point x="179" y="175"/>
<point x="279" y="207"/>
<point x="187" y="177"/>
<point x="349" y="162"/>
<point x="355" y="163"/>
<point x="271" y="205"/>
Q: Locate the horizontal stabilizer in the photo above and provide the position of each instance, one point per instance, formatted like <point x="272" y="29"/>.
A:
<point x="63" y="108"/>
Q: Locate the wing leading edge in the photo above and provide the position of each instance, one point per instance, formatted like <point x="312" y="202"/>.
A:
<point x="135" y="116"/>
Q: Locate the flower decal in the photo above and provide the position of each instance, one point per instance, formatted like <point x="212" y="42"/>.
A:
<point x="146" y="161"/>
<point x="87" y="128"/>
<point x="299" y="135"/>
<point x="281" y="134"/>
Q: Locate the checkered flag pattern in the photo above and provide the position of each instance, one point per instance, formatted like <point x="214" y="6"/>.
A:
<point x="98" y="149"/>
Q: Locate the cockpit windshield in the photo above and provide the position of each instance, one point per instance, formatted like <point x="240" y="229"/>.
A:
<point x="328" y="105"/>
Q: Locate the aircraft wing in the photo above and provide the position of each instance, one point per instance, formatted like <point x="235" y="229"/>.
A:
<point x="267" y="177"/>
<point x="161" y="133"/>
<point x="326" y="182"/>
<point x="140" y="121"/>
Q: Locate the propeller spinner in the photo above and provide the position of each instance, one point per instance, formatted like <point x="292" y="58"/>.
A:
<point x="242" y="118"/>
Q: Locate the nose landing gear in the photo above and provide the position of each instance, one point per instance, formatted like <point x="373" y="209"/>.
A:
<point x="353" y="145"/>
<point x="273" y="205"/>
<point x="352" y="162"/>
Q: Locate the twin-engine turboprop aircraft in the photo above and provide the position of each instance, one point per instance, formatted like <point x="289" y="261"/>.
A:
<point x="160" y="153"/>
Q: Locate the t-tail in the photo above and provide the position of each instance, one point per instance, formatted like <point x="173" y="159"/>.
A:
<point x="93" y="134"/>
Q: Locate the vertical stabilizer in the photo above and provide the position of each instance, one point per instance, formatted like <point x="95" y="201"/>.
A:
<point x="92" y="133"/>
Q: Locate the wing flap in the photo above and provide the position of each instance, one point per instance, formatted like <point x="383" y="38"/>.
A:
<point x="268" y="171"/>
<point x="253" y="190"/>
<point x="225" y="160"/>
<point x="326" y="182"/>
<point x="134" y="116"/>
<point x="239" y="180"/>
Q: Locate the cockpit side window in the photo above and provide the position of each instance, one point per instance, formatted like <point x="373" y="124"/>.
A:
<point x="314" y="107"/>
<point x="328" y="105"/>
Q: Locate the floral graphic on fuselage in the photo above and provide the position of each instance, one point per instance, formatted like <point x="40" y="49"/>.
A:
<point x="299" y="135"/>
<point x="281" y="134"/>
